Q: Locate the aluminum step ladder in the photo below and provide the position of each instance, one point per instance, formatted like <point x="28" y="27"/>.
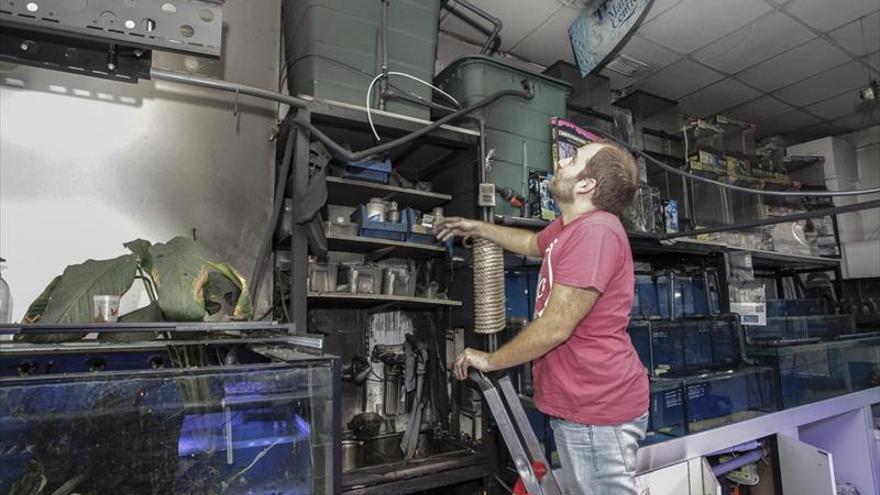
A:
<point x="517" y="433"/>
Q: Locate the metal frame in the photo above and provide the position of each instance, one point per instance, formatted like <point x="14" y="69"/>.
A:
<point x="188" y="26"/>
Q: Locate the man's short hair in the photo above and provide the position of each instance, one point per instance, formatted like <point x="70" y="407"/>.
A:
<point x="617" y="177"/>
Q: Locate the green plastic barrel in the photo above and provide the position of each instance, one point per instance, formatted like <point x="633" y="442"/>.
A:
<point x="518" y="129"/>
<point x="333" y="48"/>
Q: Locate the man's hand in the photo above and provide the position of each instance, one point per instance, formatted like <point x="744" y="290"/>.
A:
<point x="470" y="358"/>
<point x="457" y="226"/>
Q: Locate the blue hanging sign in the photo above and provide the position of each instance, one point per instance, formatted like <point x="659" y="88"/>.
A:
<point x="601" y="27"/>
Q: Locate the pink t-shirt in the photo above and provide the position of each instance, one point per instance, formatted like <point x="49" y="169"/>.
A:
<point x="595" y="377"/>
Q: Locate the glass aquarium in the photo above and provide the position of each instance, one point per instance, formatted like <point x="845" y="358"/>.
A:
<point x="812" y="372"/>
<point x="666" y="419"/>
<point x="181" y="417"/>
<point x="719" y="399"/>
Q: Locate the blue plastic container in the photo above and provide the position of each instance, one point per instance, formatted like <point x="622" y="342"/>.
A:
<point x="519" y="291"/>
<point x="409" y="217"/>
<point x="378" y="171"/>
<point x="379" y="230"/>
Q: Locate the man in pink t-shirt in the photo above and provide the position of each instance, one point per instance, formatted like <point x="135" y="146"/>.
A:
<point x="586" y="373"/>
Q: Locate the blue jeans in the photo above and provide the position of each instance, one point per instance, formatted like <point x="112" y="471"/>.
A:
<point x="598" y="460"/>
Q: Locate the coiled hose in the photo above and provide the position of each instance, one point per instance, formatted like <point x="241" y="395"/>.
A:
<point x="490" y="315"/>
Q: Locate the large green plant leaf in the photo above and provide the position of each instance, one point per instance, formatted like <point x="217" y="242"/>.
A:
<point x="243" y="308"/>
<point x="71" y="300"/>
<point x="36" y="309"/>
<point x="180" y="272"/>
<point x="141" y="249"/>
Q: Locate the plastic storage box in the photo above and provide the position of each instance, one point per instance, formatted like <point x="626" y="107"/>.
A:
<point x="361" y="279"/>
<point x="333" y="48"/>
<point x="399" y="282"/>
<point x="517" y="129"/>
<point x="393" y="231"/>
<point x="322" y="276"/>
<point x="719" y="399"/>
<point x="415" y="231"/>
<point x="666" y="419"/>
<point x="378" y="171"/>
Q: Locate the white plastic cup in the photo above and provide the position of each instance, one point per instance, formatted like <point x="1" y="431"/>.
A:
<point x="105" y="308"/>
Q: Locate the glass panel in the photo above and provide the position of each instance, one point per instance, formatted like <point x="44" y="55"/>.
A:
<point x="725" y="398"/>
<point x="248" y="429"/>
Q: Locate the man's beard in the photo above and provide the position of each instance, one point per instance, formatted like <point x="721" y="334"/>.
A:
<point x="562" y="189"/>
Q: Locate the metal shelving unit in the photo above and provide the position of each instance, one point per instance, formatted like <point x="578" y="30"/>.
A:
<point x="418" y="160"/>
<point x="350" y="192"/>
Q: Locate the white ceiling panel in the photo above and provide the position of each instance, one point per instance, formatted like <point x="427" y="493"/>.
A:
<point x="717" y="97"/>
<point x="859" y="120"/>
<point x="551" y="41"/>
<point x="825" y="85"/>
<point x="659" y="7"/>
<point x="874" y="60"/>
<point x="786" y="122"/>
<point x="679" y="79"/>
<point x="826" y="15"/>
<point x="860" y="37"/>
<point x="759" y="109"/>
<point x="838" y="106"/>
<point x="693" y="24"/>
<point x="792" y="66"/>
<point x="645" y="50"/>
<point x="519" y="20"/>
<point x="753" y="43"/>
<point x="817" y="131"/>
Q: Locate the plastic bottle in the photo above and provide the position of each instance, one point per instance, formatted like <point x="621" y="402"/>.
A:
<point x="5" y="299"/>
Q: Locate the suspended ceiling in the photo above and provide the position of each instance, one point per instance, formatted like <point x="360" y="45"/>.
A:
<point x="793" y="67"/>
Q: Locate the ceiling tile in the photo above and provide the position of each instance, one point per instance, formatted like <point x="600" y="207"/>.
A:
<point x="551" y="41"/>
<point x="693" y="24"/>
<point x="826" y="15"/>
<point x="792" y="66"/>
<point x="829" y="83"/>
<point x="858" y="121"/>
<point x="874" y="61"/>
<point x="838" y="106"/>
<point x="759" y="109"/>
<point x="518" y="22"/>
<point x="754" y="42"/>
<point x="817" y="131"/>
<point x="645" y="50"/>
<point x="659" y="7"/>
<point x="786" y="122"/>
<point x="618" y="81"/>
<point x="679" y="79"/>
<point x="861" y="36"/>
<point x="712" y="99"/>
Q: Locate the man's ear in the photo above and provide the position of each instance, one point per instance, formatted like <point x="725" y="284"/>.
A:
<point x="585" y="186"/>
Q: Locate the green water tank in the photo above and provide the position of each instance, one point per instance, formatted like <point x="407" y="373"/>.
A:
<point x="333" y="48"/>
<point x="518" y="129"/>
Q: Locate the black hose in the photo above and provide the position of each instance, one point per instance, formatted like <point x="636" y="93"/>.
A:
<point x="347" y="155"/>
<point x="269" y="234"/>
<point x="733" y="187"/>
<point x="865" y="205"/>
<point x="493" y="41"/>
<point x="221" y="85"/>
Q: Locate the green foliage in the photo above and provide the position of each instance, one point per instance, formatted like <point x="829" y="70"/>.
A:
<point x="183" y="285"/>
